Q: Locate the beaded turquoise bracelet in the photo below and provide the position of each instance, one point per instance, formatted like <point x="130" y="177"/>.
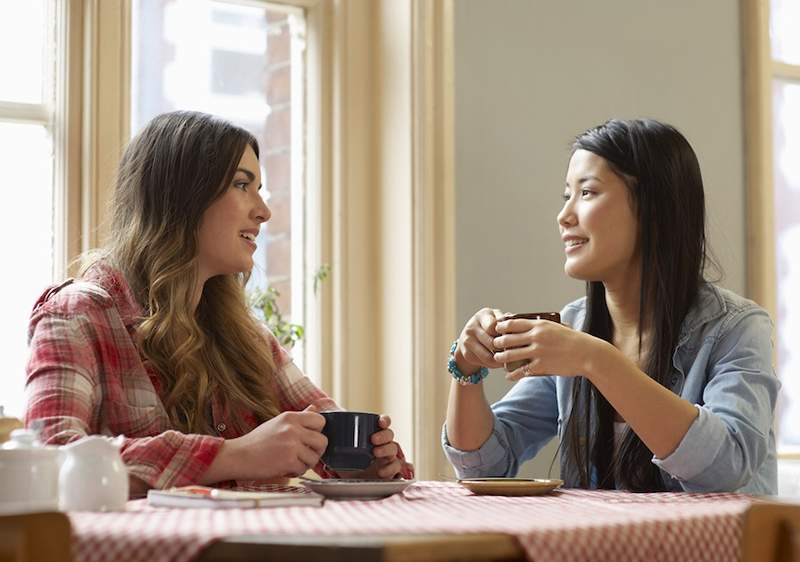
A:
<point x="460" y="377"/>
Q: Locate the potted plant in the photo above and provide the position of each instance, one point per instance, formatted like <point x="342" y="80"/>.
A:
<point x="266" y="302"/>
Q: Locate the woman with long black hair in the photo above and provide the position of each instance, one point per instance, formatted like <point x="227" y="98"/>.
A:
<point x="656" y="379"/>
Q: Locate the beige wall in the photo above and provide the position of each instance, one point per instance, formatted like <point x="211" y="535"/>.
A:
<point x="530" y="75"/>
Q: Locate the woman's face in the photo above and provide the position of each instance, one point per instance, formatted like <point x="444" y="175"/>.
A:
<point x="597" y="223"/>
<point x="229" y="226"/>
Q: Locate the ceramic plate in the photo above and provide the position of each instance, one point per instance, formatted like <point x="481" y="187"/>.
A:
<point x="510" y="486"/>
<point x="354" y="489"/>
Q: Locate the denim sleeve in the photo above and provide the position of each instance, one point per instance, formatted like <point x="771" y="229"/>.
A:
<point x="729" y="440"/>
<point x="525" y="420"/>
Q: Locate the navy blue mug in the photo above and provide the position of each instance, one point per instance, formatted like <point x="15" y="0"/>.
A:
<point x="349" y="439"/>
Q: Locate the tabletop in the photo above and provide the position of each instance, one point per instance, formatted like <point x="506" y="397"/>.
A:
<point x="564" y="525"/>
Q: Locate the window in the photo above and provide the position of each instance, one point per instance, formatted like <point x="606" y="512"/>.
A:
<point x="785" y="58"/>
<point x="246" y="63"/>
<point x="772" y="108"/>
<point x="30" y="216"/>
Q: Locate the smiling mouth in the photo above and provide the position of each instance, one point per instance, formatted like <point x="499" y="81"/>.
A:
<point x="574" y="243"/>
<point x="247" y="236"/>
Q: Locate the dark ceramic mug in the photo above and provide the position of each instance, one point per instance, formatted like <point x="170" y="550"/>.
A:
<point x="349" y="439"/>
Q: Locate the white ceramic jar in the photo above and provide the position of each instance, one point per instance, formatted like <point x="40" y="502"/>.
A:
<point x="93" y="476"/>
<point x="28" y="474"/>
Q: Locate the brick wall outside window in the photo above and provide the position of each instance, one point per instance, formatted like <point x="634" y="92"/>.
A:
<point x="276" y="158"/>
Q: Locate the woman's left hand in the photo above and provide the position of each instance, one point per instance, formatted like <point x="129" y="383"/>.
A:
<point x="387" y="464"/>
<point x="550" y="348"/>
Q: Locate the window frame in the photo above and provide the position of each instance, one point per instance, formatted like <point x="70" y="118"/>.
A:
<point x="760" y="69"/>
<point x="60" y="115"/>
<point x="106" y="124"/>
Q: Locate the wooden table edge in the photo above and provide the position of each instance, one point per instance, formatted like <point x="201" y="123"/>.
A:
<point x="438" y="547"/>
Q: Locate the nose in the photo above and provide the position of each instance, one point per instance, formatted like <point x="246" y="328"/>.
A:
<point x="566" y="217"/>
<point x="261" y="210"/>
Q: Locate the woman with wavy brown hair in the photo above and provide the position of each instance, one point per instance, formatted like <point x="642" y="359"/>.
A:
<point x="155" y="341"/>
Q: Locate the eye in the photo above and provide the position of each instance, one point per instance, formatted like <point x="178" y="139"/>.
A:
<point x="586" y="192"/>
<point x="241" y="184"/>
<point x="565" y="196"/>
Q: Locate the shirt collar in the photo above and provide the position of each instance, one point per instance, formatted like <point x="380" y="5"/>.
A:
<point x="708" y="306"/>
<point x="112" y="280"/>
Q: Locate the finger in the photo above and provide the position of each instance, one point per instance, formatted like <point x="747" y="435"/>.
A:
<point x="477" y="354"/>
<point x="509" y="341"/>
<point x="525" y="371"/>
<point x="308" y="456"/>
<point x="516" y="325"/>
<point x="390" y="470"/>
<point x="489" y="319"/>
<point x="311" y="420"/>
<point x="478" y="334"/>
<point x="315" y="440"/>
<point x="311" y="408"/>
<point x="382" y="437"/>
<point x="483" y="361"/>
<point x="514" y="354"/>
<point x="389" y="450"/>
<point x="485" y="339"/>
<point x="384" y="422"/>
<point x="297" y="467"/>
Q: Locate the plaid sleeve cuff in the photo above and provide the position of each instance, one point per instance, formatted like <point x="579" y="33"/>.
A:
<point x="170" y="459"/>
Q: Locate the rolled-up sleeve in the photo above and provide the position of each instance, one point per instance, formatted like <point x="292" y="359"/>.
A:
<point x="525" y="420"/>
<point x="730" y="438"/>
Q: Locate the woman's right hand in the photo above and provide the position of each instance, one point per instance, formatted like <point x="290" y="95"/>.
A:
<point x="288" y="444"/>
<point x="285" y="446"/>
<point x="475" y="348"/>
<point x="469" y="418"/>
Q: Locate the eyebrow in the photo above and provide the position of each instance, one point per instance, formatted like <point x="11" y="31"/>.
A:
<point x="584" y="179"/>
<point x="250" y="175"/>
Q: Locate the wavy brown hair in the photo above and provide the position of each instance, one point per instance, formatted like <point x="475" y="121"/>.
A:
<point x="170" y="173"/>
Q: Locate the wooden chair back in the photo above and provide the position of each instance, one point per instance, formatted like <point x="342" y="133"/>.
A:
<point x="772" y="533"/>
<point x="35" y="537"/>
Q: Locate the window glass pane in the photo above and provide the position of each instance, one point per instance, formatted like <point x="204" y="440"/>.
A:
<point x="26" y="231"/>
<point x="786" y="110"/>
<point x="784" y="20"/>
<point x="22" y="32"/>
<point x="244" y="63"/>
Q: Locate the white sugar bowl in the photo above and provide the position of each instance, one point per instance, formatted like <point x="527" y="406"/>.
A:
<point x="93" y="476"/>
<point x="28" y="474"/>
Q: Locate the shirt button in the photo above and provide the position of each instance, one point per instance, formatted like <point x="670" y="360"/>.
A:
<point x="221" y="427"/>
<point x="674" y="380"/>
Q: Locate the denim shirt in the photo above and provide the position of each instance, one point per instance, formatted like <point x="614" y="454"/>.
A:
<point x="722" y="365"/>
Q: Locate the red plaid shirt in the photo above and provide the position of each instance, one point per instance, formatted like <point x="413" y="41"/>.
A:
<point x="86" y="376"/>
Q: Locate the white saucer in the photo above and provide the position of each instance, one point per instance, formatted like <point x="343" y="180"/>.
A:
<point x="355" y="489"/>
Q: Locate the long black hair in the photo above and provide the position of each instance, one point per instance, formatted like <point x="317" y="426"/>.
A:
<point x="663" y="175"/>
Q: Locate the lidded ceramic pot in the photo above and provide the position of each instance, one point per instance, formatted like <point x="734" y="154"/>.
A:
<point x="28" y="474"/>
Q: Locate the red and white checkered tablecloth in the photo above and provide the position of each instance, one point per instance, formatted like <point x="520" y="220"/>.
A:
<point x="565" y="525"/>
